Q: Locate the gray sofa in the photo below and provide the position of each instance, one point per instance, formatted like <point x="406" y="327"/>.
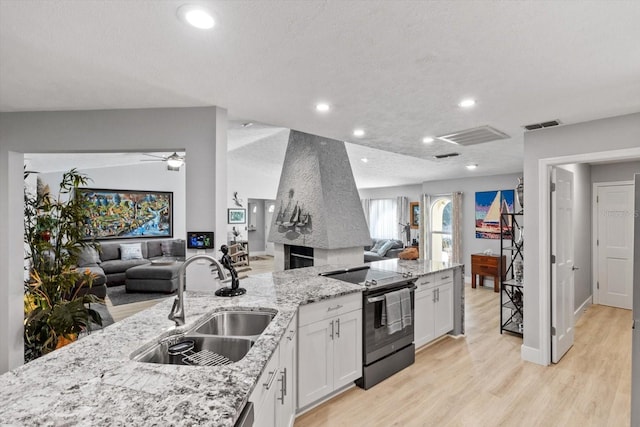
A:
<point x="381" y="249"/>
<point x="109" y="265"/>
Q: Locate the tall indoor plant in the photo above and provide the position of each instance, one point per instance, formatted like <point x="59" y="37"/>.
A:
<point x="55" y="309"/>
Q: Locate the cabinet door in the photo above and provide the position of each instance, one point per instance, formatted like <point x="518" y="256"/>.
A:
<point x="347" y="348"/>
<point x="444" y="310"/>
<point x="264" y="397"/>
<point x="424" y="316"/>
<point x="286" y="398"/>
<point x="315" y="362"/>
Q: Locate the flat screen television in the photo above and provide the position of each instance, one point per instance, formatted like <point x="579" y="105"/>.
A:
<point x="200" y="239"/>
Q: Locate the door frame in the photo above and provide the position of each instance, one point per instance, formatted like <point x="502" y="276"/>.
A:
<point x="595" y="271"/>
<point x="543" y="357"/>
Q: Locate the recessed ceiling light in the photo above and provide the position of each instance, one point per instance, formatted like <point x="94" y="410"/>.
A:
<point x="247" y="124"/>
<point x="427" y="140"/>
<point x="322" y="107"/>
<point x="467" y="103"/>
<point x="364" y="160"/>
<point x="196" y="16"/>
<point x="471" y="166"/>
<point x="358" y="132"/>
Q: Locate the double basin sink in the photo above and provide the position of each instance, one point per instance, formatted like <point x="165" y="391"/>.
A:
<point x="222" y="338"/>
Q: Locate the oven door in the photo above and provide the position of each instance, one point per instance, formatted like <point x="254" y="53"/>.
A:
<point x="378" y="343"/>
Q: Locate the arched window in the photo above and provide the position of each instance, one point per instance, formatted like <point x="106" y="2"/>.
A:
<point x="441" y="238"/>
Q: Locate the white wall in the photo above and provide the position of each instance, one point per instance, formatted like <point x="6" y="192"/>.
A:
<point x="622" y="171"/>
<point x="564" y="144"/>
<point x="201" y="132"/>
<point x="152" y="176"/>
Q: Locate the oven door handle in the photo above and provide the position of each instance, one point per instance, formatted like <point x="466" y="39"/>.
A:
<point x="381" y="297"/>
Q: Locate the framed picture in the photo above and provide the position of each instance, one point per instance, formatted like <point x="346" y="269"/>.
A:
<point x="127" y="214"/>
<point x="489" y="206"/>
<point x="236" y="216"/>
<point x="414" y="214"/>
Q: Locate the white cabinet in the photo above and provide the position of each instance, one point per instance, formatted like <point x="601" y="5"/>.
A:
<point x="274" y="395"/>
<point x="264" y="395"/>
<point x="433" y="307"/>
<point x="286" y="399"/>
<point x="329" y="347"/>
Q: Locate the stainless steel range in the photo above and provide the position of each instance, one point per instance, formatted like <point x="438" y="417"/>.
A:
<point x="384" y="352"/>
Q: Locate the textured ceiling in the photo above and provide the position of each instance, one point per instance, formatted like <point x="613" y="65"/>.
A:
<point x="395" y="68"/>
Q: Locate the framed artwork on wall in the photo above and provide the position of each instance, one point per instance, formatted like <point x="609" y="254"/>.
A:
<point x="489" y="206"/>
<point x="414" y="214"/>
<point x="236" y="216"/>
<point x="127" y="214"/>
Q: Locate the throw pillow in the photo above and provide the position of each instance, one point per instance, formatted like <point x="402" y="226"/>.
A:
<point x="88" y="256"/>
<point x="377" y="245"/>
<point x="409" y="253"/>
<point x="385" y="247"/>
<point x="130" y="251"/>
<point x="167" y="248"/>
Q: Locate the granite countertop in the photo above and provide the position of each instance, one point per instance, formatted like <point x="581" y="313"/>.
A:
<point x="417" y="268"/>
<point x="94" y="381"/>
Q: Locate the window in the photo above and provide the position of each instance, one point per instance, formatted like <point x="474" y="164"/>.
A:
<point x="383" y="219"/>
<point x="441" y="242"/>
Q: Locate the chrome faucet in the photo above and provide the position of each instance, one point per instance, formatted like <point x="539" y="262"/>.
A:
<point x="177" y="311"/>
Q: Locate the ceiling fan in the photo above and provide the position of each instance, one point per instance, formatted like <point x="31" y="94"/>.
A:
<point x="174" y="161"/>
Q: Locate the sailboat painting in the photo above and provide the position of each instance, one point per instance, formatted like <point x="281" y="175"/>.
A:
<point x="489" y="206"/>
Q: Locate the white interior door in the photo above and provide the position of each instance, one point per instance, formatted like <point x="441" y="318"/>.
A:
<point x="562" y="286"/>
<point x="615" y="207"/>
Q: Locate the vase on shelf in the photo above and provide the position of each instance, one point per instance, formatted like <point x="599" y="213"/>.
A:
<point x="520" y="193"/>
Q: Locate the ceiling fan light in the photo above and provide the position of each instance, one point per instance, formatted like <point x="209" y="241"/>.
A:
<point x="174" y="162"/>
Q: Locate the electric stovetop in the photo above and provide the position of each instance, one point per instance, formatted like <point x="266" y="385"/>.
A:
<point x="368" y="277"/>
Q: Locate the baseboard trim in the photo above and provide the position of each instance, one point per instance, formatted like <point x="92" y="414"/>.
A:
<point x="583" y="307"/>
<point x="532" y="355"/>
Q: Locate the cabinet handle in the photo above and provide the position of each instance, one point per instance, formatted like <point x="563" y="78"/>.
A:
<point x="337" y="307"/>
<point x="292" y="334"/>
<point x="331" y="335"/>
<point x="434" y="295"/>
<point x="445" y="277"/>
<point x="269" y="383"/>
<point x="338" y="328"/>
<point x="438" y="294"/>
<point x="283" y="381"/>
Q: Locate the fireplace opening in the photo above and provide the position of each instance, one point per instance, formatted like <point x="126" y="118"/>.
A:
<point x="297" y="257"/>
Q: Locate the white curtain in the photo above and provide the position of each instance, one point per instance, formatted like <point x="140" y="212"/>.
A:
<point x="456" y="227"/>
<point x="425" y="226"/>
<point x="402" y="208"/>
<point x="366" y="206"/>
<point x="383" y="219"/>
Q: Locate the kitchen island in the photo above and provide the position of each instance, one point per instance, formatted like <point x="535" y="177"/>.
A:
<point x="94" y="381"/>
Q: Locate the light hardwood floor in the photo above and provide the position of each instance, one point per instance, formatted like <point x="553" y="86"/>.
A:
<point x="480" y="379"/>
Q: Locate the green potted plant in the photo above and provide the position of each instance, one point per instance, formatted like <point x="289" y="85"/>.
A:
<point x="55" y="309"/>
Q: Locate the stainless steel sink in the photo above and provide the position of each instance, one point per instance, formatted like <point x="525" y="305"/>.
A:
<point x="235" y="323"/>
<point x="196" y="350"/>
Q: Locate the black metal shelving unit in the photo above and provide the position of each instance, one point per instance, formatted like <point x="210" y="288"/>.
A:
<point x="511" y="290"/>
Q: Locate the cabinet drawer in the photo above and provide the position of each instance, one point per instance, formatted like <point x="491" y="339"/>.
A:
<point x="317" y="311"/>
<point x="444" y="277"/>
<point x="485" y="260"/>
<point x="425" y="282"/>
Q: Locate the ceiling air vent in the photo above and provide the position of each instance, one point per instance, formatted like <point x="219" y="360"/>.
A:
<point x="474" y="136"/>
<point x="542" y="125"/>
<point x="444" y="156"/>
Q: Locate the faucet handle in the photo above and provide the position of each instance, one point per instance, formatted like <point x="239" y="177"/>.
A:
<point x="172" y="313"/>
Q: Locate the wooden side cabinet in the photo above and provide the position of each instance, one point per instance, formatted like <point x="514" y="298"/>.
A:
<point x="488" y="265"/>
